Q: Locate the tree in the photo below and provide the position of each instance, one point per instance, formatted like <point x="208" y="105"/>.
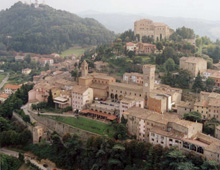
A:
<point x="131" y="54"/>
<point x="183" y="79"/>
<point x="118" y="46"/>
<point x="21" y="157"/>
<point x="147" y="39"/>
<point x="193" y="116"/>
<point x="28" y="59"/>
<point x="172" y="159"/>
<point x="128" y="36"/>
<point x="185" y="33"/>
<point x="50" y="101"/>
<point x="186" y="166"/>
<point x="210" y="82"/>
<point x="120" y="131"/>
<point x="210" y="165"/>
<point x="198" y="84"/>
<point x="198" y="41"/>
<point x="170" y="65"/>
<point x="159" y="46"/>
<point x="4" y="125"/>
<point x="168" y="79"/>
<point x="123" y="120"/>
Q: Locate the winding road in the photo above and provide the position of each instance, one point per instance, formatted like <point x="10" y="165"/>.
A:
<point x="4" y="81"/>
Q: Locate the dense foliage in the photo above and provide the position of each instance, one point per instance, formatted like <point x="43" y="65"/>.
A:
<point x="46" y="30"/>
<point x="12" y="133"/>
<point x="15" y="101"/>
<point x="193" y="116"/>
<point x="182" y="33"/>
<point x="9" y="163"/>
<point x="104" y="153"/>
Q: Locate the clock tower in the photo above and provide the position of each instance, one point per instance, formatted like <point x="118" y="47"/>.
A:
<point x="148" y="78"/>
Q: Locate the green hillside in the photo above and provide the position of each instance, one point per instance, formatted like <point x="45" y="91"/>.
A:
<point x="46" y="30"/>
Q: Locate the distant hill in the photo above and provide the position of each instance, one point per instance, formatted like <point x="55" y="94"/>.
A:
<point x="120" y="22"/>
<point x="46" y="30"/>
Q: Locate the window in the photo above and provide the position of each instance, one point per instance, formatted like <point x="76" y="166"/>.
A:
<point x="170" y="140"/>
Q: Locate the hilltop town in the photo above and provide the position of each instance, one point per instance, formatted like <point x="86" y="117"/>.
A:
<point x="152" y="86"/>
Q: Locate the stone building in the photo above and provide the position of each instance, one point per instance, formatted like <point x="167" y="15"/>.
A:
<point x="208" y="105"/>
<point x="146" y="27"/>
<point x="184" y="107"/>
<point x="142" y="121"/>
<point x="168" y="130"/>
<point x="145" y="48"/>
<point x="216" y="77"/>
<point x="193" y="64"/>
<point x="99" y="82"/>
<point x="136" y="78"/>
<point x="217" y="132"/>
<point x="38" y="134"/>
<point x="84" y="68"/>
<point x="158" y="98"/>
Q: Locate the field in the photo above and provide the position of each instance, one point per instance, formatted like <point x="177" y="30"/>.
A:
<point x="74" y="51"/>
<point x="2" y="76"/>
<point x="86" y="124"/>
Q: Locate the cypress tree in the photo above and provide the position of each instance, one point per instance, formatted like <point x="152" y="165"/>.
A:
<point x="50" y="101"/>
<point x="198" y="84"/>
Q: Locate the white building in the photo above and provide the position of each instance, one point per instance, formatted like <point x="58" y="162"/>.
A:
<point x="131" y="46"/>
<point x="10" y="89"/>
<point x="26" y="71"/>
<point x="81" y="95"/>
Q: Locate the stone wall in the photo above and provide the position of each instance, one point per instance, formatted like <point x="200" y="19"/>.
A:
<point x="62" y="128"/>
<point x="19" y="119"/>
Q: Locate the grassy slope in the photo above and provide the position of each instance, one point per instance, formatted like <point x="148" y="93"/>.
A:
<point x="2" y="76"/>
<point x="86" y="124"/>
<point x="74" y="51"/>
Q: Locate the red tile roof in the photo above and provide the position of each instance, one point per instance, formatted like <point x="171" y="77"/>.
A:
<point x="13" y="87"/>
<point x="109" y="117"/>
<point x="5" y="96"/>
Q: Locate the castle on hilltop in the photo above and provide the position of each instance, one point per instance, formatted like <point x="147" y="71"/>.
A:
<point x="146" y="27"/>
<point x="36" y="3"/>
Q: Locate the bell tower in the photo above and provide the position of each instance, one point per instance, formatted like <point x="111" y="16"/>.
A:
<point x="148" y="78"/>
<point x="84" y="68"/>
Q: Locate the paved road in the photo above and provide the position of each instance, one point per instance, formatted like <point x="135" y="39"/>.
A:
<point x="25" y="109"/>
<point x="15" y="154"/>
<point x="4" y="81"/>
<point x="9" y="152"/>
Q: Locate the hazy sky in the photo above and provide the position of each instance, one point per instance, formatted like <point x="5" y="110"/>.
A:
<point x="205" y="9"/>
